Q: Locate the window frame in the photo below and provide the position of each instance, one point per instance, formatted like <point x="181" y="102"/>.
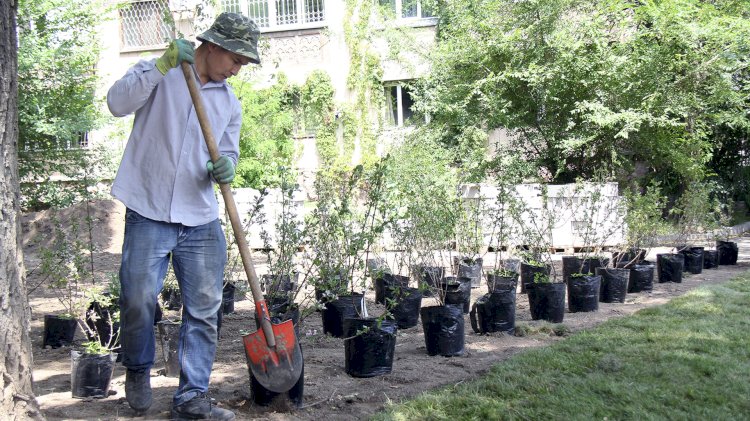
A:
<point x="272" y="17"/>
<point x="398" y="10"/>
<point x="400" y="120"/>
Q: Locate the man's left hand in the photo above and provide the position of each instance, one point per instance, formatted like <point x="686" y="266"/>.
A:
<point x="222" y="170"/>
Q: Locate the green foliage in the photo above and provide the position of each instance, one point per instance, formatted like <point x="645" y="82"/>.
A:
<point x="95" y="347"/>
<point x="421" y="190"/>
<point x="266" y="142"/>
<point x="318" y="110"/>
<point x="316" y="99"/>
<point x="67" y="264"/>
<point x="668" y="362"/>
<point x="57" y="52"/>
<point x="289" y="236"/>
<point x="364" y="80"/>
<point x="103" y="310"/>
<point x="644" y="217"/>
<point x="55" y="78"/>
<point x="695" y="211"/>
<point x="581" y="85"/>
<point x="340" y="231"/>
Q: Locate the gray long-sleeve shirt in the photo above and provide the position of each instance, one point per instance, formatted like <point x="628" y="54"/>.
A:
<point x="163" y="174"/>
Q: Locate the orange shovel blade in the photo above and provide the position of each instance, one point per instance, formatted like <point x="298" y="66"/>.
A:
<point x="275" y="369"/>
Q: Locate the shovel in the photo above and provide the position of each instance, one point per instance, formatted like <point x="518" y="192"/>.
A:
<point x="272" y="352"/>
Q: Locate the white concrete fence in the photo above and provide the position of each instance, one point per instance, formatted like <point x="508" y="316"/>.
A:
<point x="570" y="209"/>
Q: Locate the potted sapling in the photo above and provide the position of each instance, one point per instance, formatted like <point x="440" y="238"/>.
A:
<point x="93" y="365"/>
<point x="281" y="283"/>
<point x="726" y="251"/>
<point x="644" y="223"/>
<point x="424" y="196"/>
<point x="496" y="310"/>
<point x="694" y="213"/>
<point x="536" y="220"/>
<point x="596" y="221"/>
<point x="689" y="217"/>
<point x="65" y="267"/>
<point x="469" y="236"/>
<point x="330" y="256"/>
<point x="369" y="342"/>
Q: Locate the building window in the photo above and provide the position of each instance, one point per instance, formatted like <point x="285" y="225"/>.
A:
<point x="407" y="9"/>
<point x="81" y="141"/>
<point x="143" y="24"/>
<point x="399" y="106"/>
<point x="272" y="15"/>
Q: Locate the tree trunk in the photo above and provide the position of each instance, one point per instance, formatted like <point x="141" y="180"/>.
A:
<point x="17" y="398"/>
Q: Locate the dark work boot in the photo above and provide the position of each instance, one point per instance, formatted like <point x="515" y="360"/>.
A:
<point x="138" y="390"/>
<point x="201" y="408"/>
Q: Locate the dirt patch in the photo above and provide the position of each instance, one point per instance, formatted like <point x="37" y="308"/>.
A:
<point x="330" y="393"/>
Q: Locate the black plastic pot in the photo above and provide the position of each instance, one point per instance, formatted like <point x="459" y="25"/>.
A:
<point x="728" y="252"/>
<point x="169" y="338"/>
<point x="583" y="293"/>
<point x="336" y="311"/>
<point x="457" y="291"/>
<point x="547" y="301"/>
<point x="227" y="298"/>
<point x="172" y="298"/>
<point x="495" y="311"/>
<point x="470" y="268"/>
<point x="501" y="282"/>
<point x="91" y="374"/>
<point x="693" y="260"/>
<point x="264" y="397"/>
<point x="58" y="331"/>
<point x="528" y="272"/>
<point x="369" y="353"/>
<point x="669" y="267"/>
<point x="387" y="281"/>
<point x="710" y="259"/>
<point x="404" y="304"/>
<point x="443" y="330"/>
<point x="570" y="265"/>
<point x="641" y="278"/>
<point x="614" y="285"/>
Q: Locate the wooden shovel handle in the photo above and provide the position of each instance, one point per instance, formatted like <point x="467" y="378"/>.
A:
<point x="226" y="193"/>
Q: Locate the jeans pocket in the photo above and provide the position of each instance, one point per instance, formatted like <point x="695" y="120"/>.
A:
<point x="133" y="217"/>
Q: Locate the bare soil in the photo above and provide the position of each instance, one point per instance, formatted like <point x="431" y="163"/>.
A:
<point x="329" y="393"/>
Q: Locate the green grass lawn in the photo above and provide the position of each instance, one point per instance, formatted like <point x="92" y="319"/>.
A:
<point x="686" y="360"/>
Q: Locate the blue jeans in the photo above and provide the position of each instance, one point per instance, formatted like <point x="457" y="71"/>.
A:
<point x="198" y="257"/>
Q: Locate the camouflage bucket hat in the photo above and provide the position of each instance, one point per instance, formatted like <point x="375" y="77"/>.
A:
<point x="235" y="33"/>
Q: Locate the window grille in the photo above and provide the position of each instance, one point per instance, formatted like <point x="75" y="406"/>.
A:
<point x="286" y="12"/>
<point x="314" y="11"/>
<point x="277" y="14"/>
<point x="142" y="24"/>
<point x="232" y="6"/>
<point x="258" y="11"/>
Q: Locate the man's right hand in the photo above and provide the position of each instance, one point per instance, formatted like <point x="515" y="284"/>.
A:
<point x="179" y="50"/>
